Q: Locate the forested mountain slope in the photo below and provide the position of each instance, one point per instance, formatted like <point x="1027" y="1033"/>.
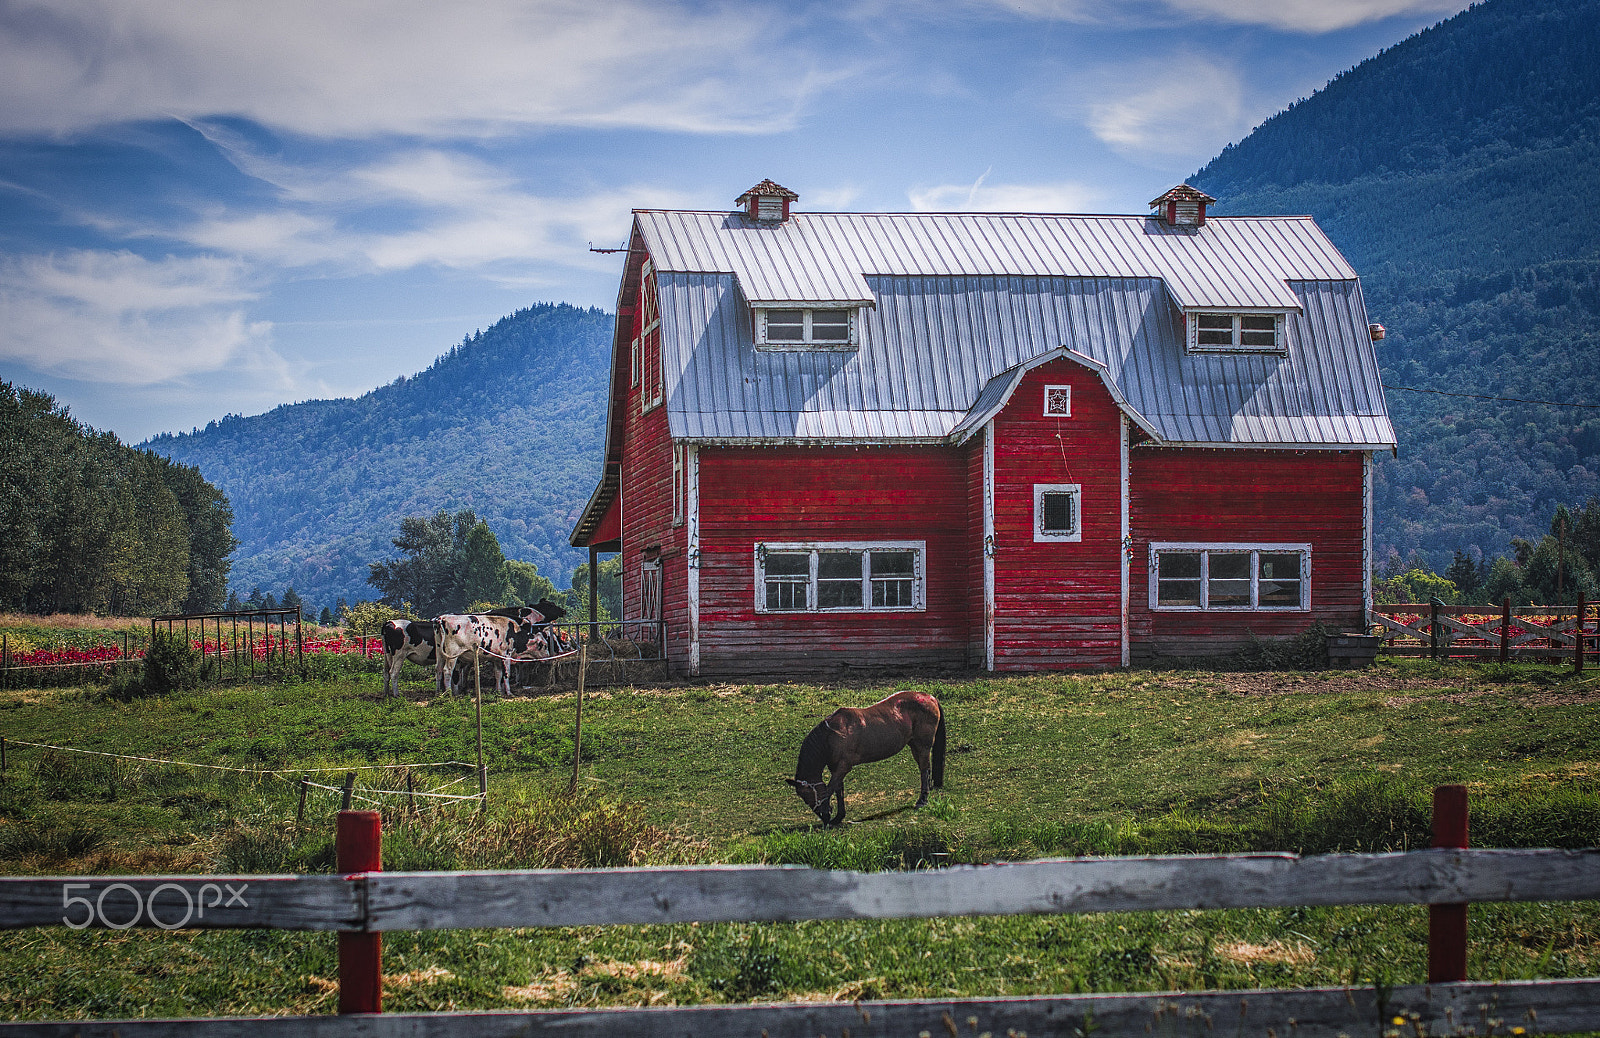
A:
<point x="1458" y="172"/>
<point x="508" y="423"/>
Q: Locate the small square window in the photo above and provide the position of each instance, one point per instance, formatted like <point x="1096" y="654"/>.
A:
<point x="1058" y="401"/>
<point x="820" y="329"/>
<point x="1056" y="512"/>
<point x="1236" y="333"/>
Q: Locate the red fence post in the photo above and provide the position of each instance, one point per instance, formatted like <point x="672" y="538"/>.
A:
<point x="1447" y="924"/>
<point x="357" y="848"/>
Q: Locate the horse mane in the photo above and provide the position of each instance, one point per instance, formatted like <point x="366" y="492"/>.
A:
<point x="813" y="753"/>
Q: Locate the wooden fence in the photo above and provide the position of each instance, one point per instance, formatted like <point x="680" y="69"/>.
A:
<point x="362" y="903"/>
<point x="1506" y="632"/>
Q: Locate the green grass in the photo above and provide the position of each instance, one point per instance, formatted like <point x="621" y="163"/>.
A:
<point x="1134" y="762"/>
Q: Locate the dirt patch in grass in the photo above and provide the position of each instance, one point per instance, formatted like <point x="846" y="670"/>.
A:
<point x="1274" y="683"/>
<point x="1248" y="954"/>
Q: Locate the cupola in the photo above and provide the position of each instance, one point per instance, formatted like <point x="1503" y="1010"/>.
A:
<point x="767" y="202"/>
<point x="1182" y="206"/>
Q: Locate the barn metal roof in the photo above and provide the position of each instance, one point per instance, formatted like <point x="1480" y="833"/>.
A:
<point x="933" y="347"/>
<point x="1228" y="263"/>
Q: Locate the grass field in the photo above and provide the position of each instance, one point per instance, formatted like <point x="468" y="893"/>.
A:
<point x="1136" y="762"/>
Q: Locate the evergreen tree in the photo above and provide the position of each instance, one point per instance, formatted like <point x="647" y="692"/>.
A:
<point x="325" y="618"/>
<point x="1464" y="574"/>
<point x="234" y="605"/>
<point x="290" y="599"/>
<point x="482" y="573"/>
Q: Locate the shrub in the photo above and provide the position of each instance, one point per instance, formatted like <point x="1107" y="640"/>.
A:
<point x="366" y="619"/>
<point x="171" y="664"/>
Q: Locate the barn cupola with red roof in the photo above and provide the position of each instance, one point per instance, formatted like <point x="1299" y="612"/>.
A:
<point x="1182" y="206"/>
<point x="767" y="202"/>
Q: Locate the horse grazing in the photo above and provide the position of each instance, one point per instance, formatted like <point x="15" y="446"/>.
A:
<point x="849" y="736"/>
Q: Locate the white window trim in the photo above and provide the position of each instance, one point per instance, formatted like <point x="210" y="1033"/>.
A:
<point x="1058" y="536"/>
<point x="649" y="293"/>
<point x="636" y="352"/>
<point x="1057" y="414"/>
<point x="1191" y="320"/>
<point x="919" y="581"/>
<point x="1254" y="548"/>
<point x="763" y="343"/>
<point x="680" y="466"/>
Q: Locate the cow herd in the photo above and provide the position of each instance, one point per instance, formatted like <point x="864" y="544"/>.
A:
<point x="506" y="636"/>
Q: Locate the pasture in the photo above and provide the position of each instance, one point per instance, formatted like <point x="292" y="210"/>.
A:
<point x="1148" y="761"/>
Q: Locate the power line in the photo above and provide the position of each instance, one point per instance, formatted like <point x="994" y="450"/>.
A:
<point x="1505" y="399"/>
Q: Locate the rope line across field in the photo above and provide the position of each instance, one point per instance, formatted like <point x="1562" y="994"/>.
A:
<point x="289" y="774"/>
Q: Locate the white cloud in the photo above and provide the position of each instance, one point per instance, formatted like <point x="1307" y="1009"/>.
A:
<point x="1304" y="16"/>
<point x="982" y="197"/>
<point x="115" y="317"/>
<point x="1179" y="106"/>
<point x="1310" y="16"/>
<point x="359" y="68"/>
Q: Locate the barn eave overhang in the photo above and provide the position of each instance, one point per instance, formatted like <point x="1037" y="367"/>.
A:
<point x="600" y="504"/>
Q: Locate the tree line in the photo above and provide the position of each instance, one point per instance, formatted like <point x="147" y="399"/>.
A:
<point x="1553" y="570"/>
<point x="89" y="524"/>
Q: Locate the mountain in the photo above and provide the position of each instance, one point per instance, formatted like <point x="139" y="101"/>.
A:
<point x="1458" y="171"/>
<point x="509" y="423"/>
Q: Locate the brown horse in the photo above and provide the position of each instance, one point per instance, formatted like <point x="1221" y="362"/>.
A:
<point x="848" y="737"/>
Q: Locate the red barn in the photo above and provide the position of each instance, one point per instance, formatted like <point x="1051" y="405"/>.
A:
<point x="1012" y="441"/>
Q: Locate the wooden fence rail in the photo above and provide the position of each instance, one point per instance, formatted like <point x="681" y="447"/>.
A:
<point x="1538" y="1007"/>
<point x="361" y="903"/>
<point x="375" y="902"/>
<point x="1503" y="632"/>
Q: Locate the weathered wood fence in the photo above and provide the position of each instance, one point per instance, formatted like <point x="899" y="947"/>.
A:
<point x="363" y="903"/>
<point x="1504" y="632"/>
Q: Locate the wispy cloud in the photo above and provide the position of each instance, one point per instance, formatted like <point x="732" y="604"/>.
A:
<point x="115" y="317"/>
<point x="981" y="196"/>
<point x="1299" y="16"/>
<point x="1180" y="106"/>
<point x="401" y="67"/>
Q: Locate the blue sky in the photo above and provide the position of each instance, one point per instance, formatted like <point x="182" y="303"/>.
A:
<point x="217" y="207"/>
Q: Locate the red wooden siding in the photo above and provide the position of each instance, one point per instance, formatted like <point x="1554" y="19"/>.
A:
<point x="1243" y="497"/>
<point x="1057" y="603"/>
<point x="646" y="491"/>
<point x="750" y="495"/>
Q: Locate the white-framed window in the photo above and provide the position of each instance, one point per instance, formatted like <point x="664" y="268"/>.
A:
<point x="809" y="328"/>
<point x="1058" y="401"/>
<point x="652" y="301"/>
<point x="840" y="576"/>
<point x="1211" y="576"/>
<point x="680" y="480"/>
<point x="1236" y="332"/>
<point x="1057" y="515"/>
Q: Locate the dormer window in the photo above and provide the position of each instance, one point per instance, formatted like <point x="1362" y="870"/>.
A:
<point x="767" y="202"/>
<point x="1182" y="206"/>
<point x="1236" y="332"/>
<point x="808" y="328"/>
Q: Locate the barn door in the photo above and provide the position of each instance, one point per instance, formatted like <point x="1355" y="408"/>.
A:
<point x="650" y="592"/>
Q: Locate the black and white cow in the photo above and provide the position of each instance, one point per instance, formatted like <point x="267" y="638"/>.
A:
<point x="412" y="641"/>
<point x="405" y="641"/>
<point x="506" y="639"/>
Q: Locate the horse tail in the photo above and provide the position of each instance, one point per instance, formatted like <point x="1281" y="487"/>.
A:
<point x="938" y="753"/>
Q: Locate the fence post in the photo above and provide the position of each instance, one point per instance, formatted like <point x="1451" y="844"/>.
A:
<point x="349" y="788"/>
<point x="1505" y="629"/>
<point x="1447" y="924"/>
<point x="1433" y="625"/>
<point x="358" y="848"/>
<point x="577" y="723"/>
<point x="1577" y="642"/>
<point x="300" y="812"/>
<point x="2" y="755"/>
